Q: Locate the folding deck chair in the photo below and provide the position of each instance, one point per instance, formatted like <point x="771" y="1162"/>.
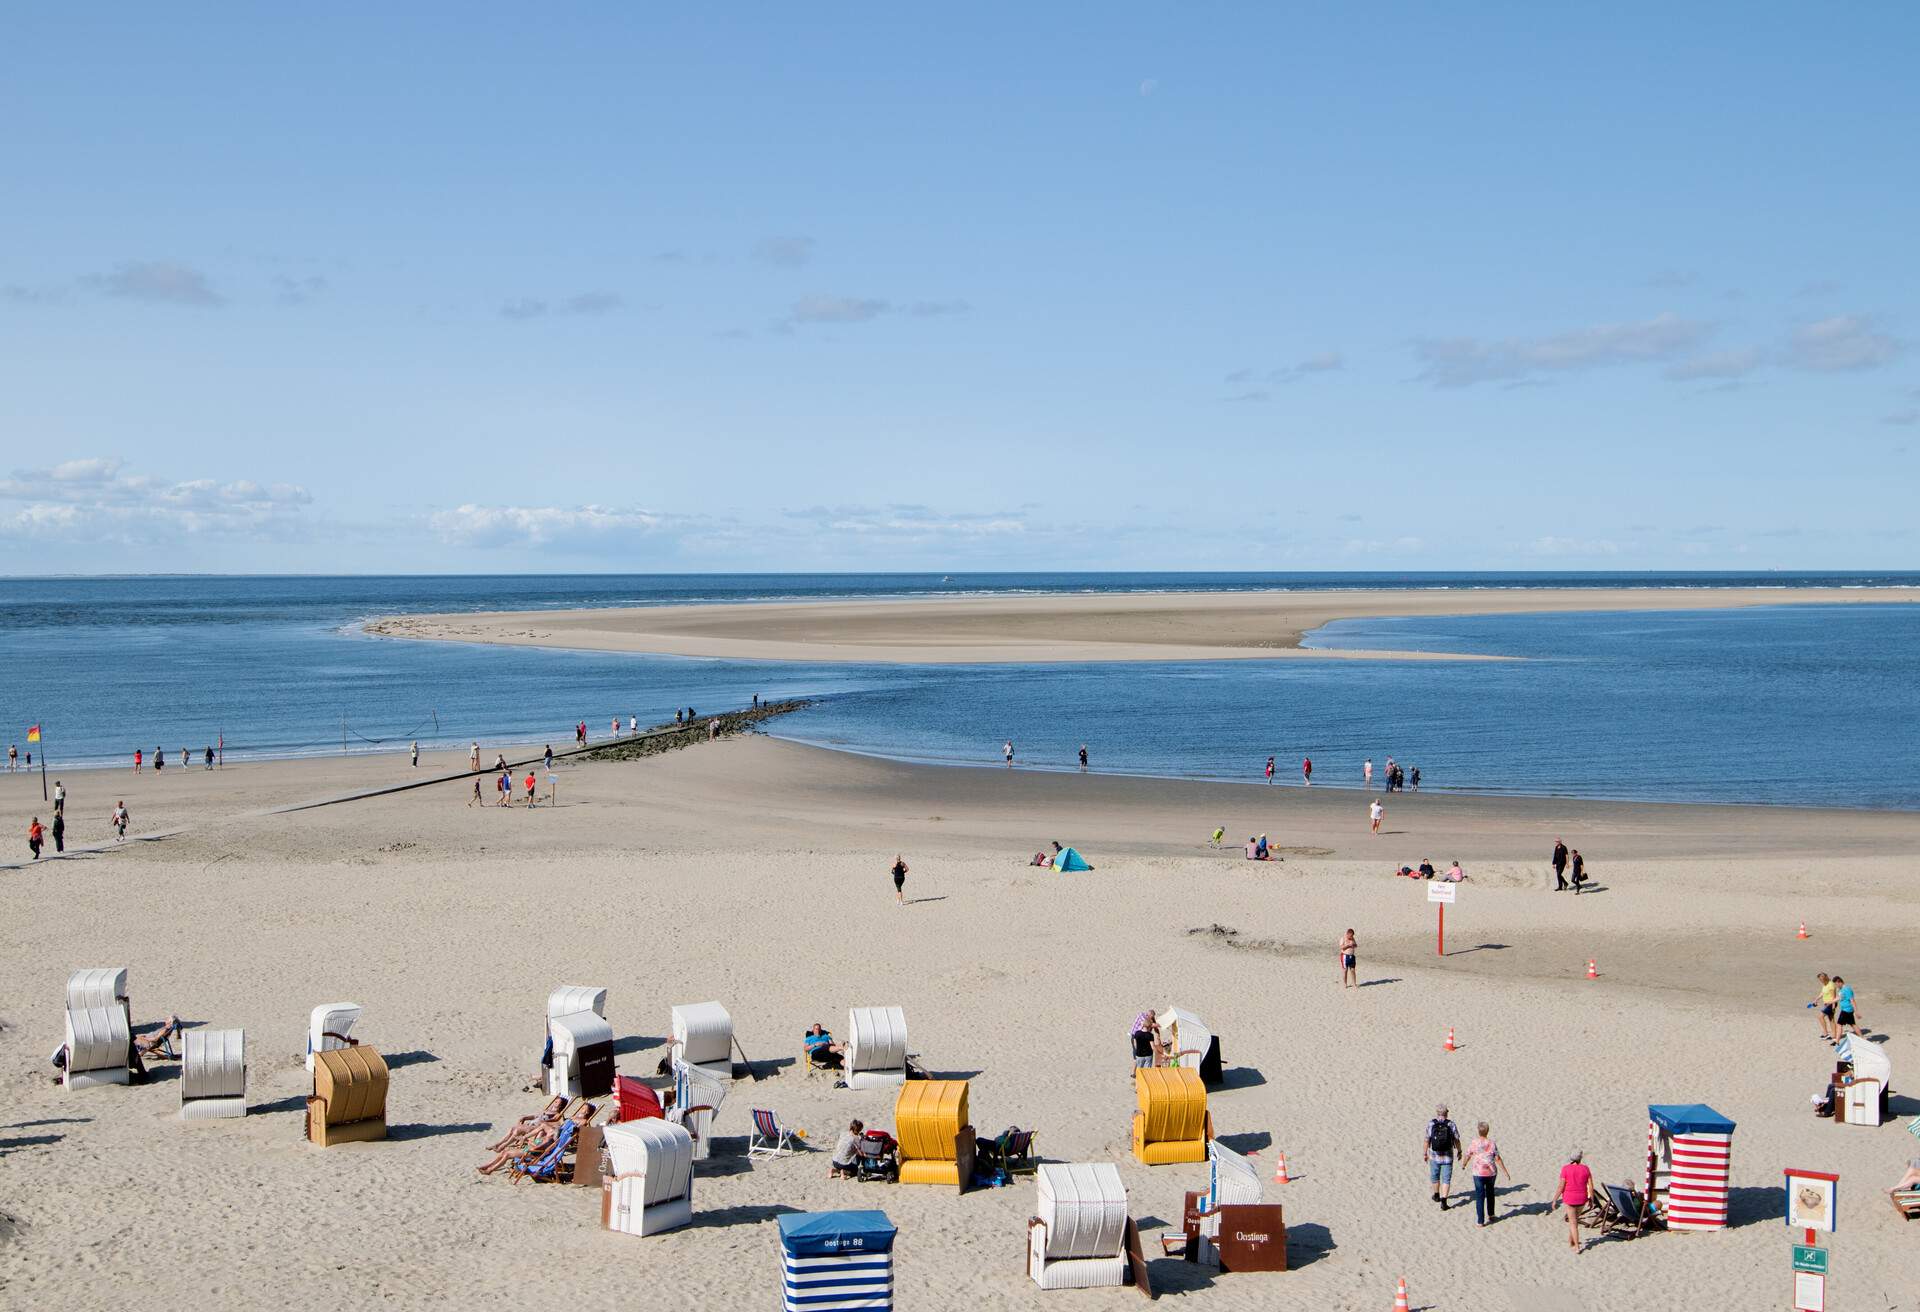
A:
<point x="769" y="1138"/>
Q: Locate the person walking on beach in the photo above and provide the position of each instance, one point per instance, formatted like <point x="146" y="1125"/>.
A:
<point x="476" y="799"/>
<point x="1366" y="773"/>
<point x="1007" y="750"/>
<point x="1579" y="871"/>
<point x="899" y="878"/>
<point x="59" y="832"/>
<point x="1374" y="812"/>
<point x="633" y="724"/>
<point x="138" y="757"/>
<point x="530" y="787"/>
<point x="1439" y="1149"/>
<point x="1576" y="1181"/>
<point x="159" y="759"/>
<point x="504" y="787"/>
<point x="1483" y="1159"/>
<point x="1824" y="1000"/>
<point x="1083" y="758"/>
<point x="473" y="756"/>
<point x="1349" y="960"/>
<point x="1144" y="1038"/>
<point x="59" y="797"/>
<point x="1269" y="769"/>
<point x="1559" y="866"/>
<point x="1414" y="778"/>
<point x="416" y="753"/>
<point x="1843" y="1019"/>
<point x="1387" y="782"/>
<point x="549" y="758"/>
<point x="209" y="756"/>
<point x="36" y="837"/>
<point x="13" y="756"/>
<point x="1306" y="770"/>
<point x="119" y="820"/>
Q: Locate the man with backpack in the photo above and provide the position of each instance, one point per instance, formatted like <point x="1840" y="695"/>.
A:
<point x="1440" y="1149"/>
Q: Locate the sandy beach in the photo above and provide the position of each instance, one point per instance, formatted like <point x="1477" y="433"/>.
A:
<point x="1152" y="626"/>
<point x="754" y="871"/>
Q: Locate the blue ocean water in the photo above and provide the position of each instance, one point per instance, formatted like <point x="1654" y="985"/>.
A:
<point x="1805" y="705"/>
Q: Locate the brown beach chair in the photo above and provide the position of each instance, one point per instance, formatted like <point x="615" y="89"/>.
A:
<point x="1906" y="1202"/>
<point x="160" y="1042"/>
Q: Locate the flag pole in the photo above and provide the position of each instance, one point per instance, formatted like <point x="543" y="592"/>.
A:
<point x="43" y="765"/>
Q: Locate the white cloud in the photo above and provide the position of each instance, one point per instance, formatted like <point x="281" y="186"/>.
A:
<point x="1464" y="361"/>
<point x="297" y="291"/>
<point x="1840" y="344"/>
<point x="1721" y="364"/>
<point x="93" y="499"/>
<point x="1561" y="546"/>
<point x="1901" y="418"/>
<point x="1321" y="362"/>
<point x="583" y="303"/>
<point x="784" y="252"/>
<point x="575" y="528"/>
<point x="159" y="281"/>
<point x="836" y="309"/>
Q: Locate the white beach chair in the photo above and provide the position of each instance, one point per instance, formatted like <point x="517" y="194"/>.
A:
<point x="703" y="1037"/>
<point x="651" y="1188"/>
<point x="876" y="1055"/>
<point x="1194" y="1041"/>
<point x="582" y="1058"/>
<point x="697" y="1096"/>
<point x="569" y="998"/>
<point x="213" y="1074"/>
<point x="329" y="1026"/>
<point x="99" y="1029"/>
<point x="1078" y="1239"/>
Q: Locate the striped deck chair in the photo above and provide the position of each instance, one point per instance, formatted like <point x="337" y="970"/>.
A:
<point x="1906" y="1202"/>
<point x="770" y="1138"/>
<point x="546" y="1165"/>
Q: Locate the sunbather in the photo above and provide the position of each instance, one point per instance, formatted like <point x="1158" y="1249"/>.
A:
<point x="1911" y="1180"/>
<point x="821" y="1050"/>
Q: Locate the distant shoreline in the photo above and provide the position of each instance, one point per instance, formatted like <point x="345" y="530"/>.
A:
<point x="1072" y="627"/>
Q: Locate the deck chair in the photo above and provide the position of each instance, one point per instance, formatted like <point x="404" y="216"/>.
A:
<point x="160" y="1042"/>
<point x="1616" y="1209"/>
<point x="769" y="1138"/>
<point x="1011" y="1151"/>
<point x="1906" y="1202"/>
<point x="546" y="1164"/>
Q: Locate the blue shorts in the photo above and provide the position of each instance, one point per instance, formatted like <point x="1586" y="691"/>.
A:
<point x="1440" y="1170"/>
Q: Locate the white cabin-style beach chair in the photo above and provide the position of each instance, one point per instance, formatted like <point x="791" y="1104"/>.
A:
<point x="213" y="1074"/>
<point x="1079" y="1238"/>
<point x="582" y="1057"/>
<point x="703" y="1037"/>
<point x="651" y="1189"/>
<point x="329" y="1027"/>
<point x="99" y="1047"/>
<point x="876" y="1055"/>
<point x="1194" y="1043"/>
<point x="569" y="998"/>
<point x="697" y="1096"/>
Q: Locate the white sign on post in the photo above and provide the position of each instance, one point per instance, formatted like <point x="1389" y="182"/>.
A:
<point x="1809" y="1292"/>
<point x="1441" y="893"/>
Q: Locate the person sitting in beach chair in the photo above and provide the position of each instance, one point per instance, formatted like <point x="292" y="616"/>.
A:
<point x="1906" y="1192"/>
<point x="819" y="1052"/>
<point x="1012" y="1151"/>
<point x="159" y="1043"/>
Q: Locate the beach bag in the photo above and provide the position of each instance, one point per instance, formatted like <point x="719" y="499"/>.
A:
<point x="1440" y="1137"/>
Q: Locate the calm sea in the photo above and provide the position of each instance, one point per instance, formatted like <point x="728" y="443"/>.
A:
<point x="1808" y="705"/>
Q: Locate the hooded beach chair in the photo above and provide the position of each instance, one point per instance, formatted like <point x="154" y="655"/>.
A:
<point x="1228" y="1226"/>
<point x="1171" y="1123"/>
<point x="703" y="1037"/>
<point x="213" y="1074"/>
<point x="99" y="1047"/>
<point x="579" y="1055"/>
<point x="876" y="1048"/>
<point x="1193" y="1043"/>
<point x="635" y="1100"/>
<point x="569" y="998"/>
<point x="329" y="1028"/>
<point x="651" y="1188"/>
<point x="769" y="1138"/>
<point x="543" y="1161"/>
<point x="1079" y="1237"/>
<point x="834" y="1260"/>
<point x="349" y="1099"/>
<point x="697" y="1095"/>
<point x="936" y="1141"/>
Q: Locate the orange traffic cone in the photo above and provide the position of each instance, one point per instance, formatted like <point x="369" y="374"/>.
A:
<point x="1400" y="1296"/>
<point x="1591" y="972"/>
<point x="1280" y="1171"/>
<point x="1449" y="1038"/>
<point x="1803" y="931"/>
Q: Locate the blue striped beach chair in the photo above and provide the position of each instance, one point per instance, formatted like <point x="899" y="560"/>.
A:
<point x="836" y="1260"/>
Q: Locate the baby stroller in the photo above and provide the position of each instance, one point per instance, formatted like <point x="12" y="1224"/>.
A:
<point x="878" y="1157"/>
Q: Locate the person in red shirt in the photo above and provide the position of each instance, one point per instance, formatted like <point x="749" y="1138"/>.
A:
<point x="35" y="837"/>
<point x="1575" y="1183"/>
<point x="529" y="788"/>
<point x="138" y="757"/>
<point x="1306" y="770"/>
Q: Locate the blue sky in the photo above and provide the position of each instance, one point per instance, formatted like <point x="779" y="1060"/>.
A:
<point x="478" y="287"/>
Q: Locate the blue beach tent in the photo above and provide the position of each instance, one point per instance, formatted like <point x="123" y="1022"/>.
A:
<point x="835" y="1260"/>
<point x="1689" y="1118"/>
<point x="1070" y="859"/>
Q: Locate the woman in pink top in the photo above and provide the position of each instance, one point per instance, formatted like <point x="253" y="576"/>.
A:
<point x="1483" y="1159"/>
<point x="1575" y="1182"/>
